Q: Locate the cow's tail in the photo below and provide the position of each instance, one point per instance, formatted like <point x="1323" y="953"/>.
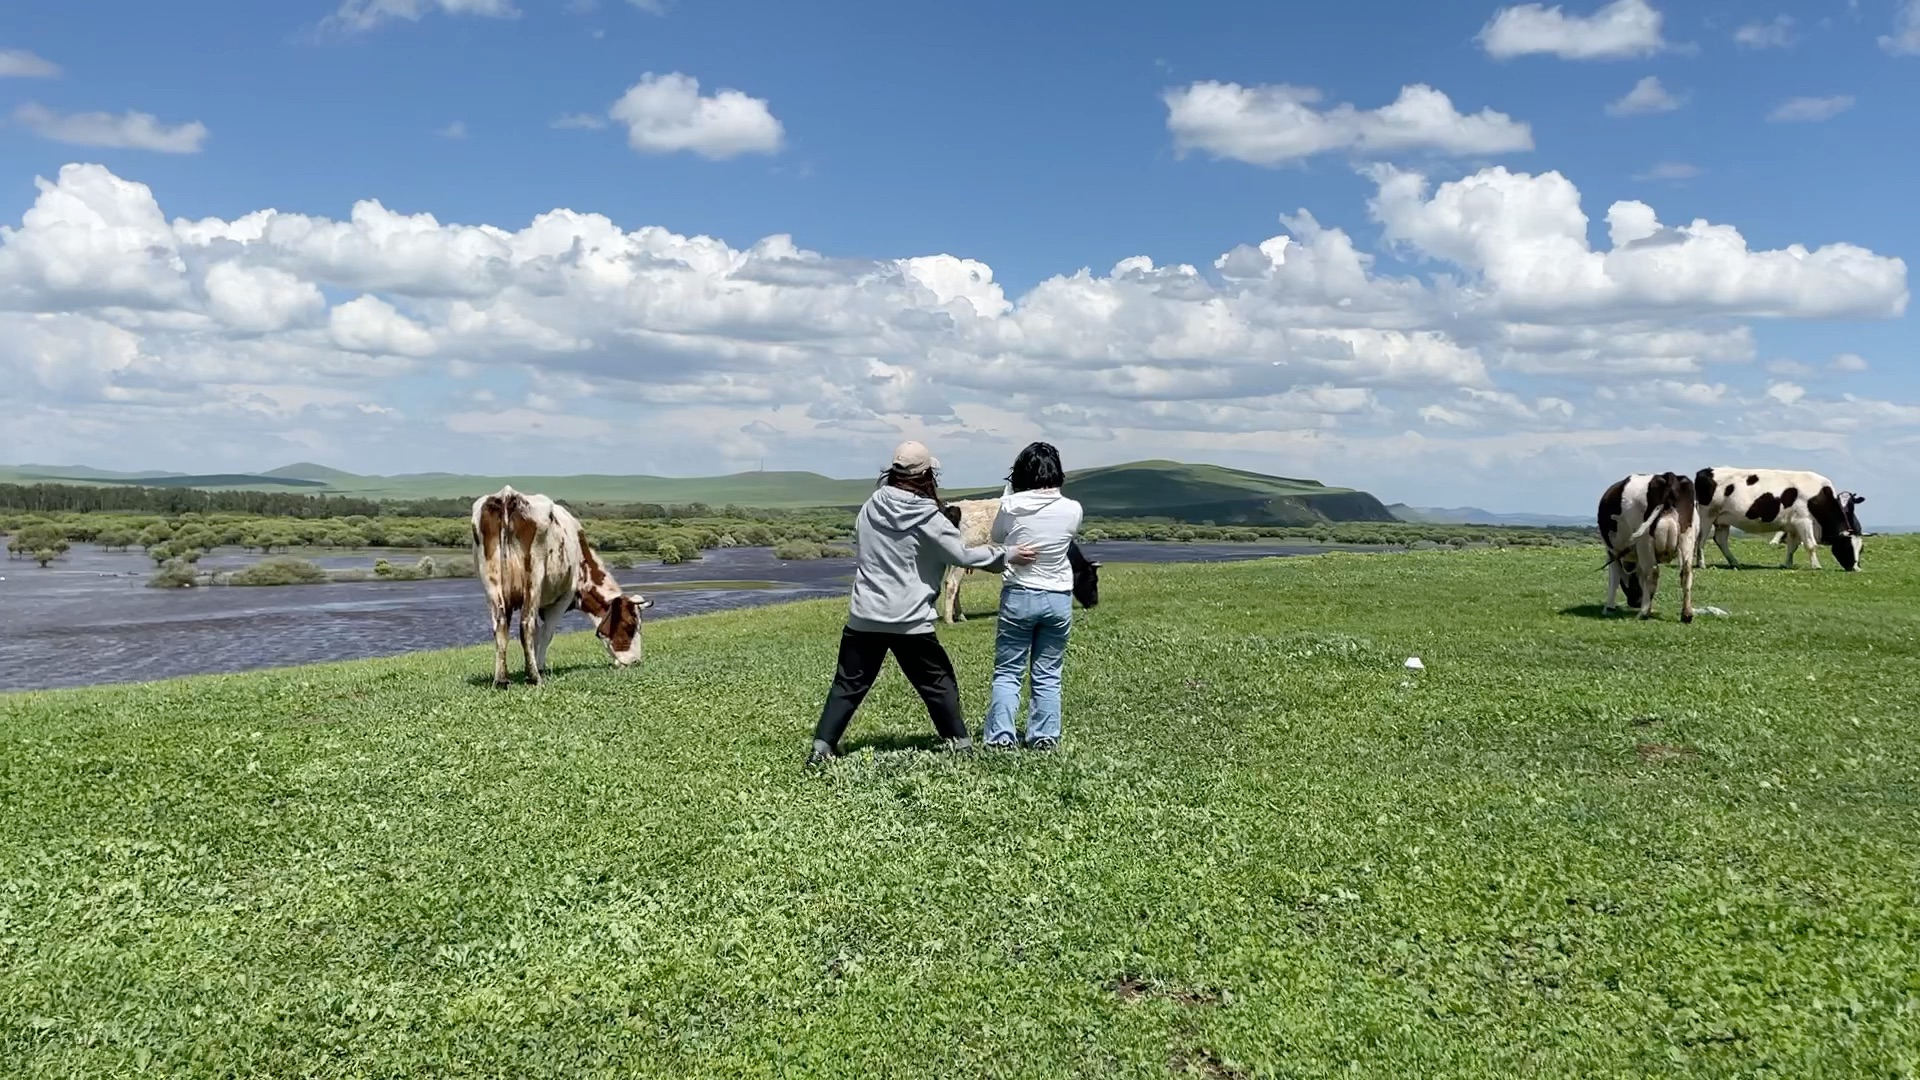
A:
<point x="509" y="560"/>
<point x="1614" y="556"/>
<point x="1647" y="525"/>
<point x="500" y="564"/>
<point x="1638" y="535"/>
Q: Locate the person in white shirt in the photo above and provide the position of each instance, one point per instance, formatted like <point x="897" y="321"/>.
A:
<point x="1036" y="600"/>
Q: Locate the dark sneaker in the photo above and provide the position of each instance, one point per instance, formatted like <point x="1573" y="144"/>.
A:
<point x="1044" y="743"/>
<point x="820" y="756"/>
<point x="1001" y="744"/>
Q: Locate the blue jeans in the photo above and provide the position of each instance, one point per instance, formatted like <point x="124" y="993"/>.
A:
<point x="1033" y="630"/>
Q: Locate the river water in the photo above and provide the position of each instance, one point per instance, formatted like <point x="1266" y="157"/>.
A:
<point x="89" y="618"/>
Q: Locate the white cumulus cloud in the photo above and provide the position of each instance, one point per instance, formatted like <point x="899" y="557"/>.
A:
<point x="125" y="131"/>
<point x="1671" y="171"/>
<point x="21" y="64"/>
<point x="1277" y="124"/>
<point x="1617" y="31"/>
<point x="367" y="14"/>
<point x="1524" y="238"/>
<point x="1506" y="340"/>
<point x="1775" y="34"/>
<point x="1810" y="110"/>
<point x="1905" y="39"/>
<point x="1647" y="96"/>
<point x="666" y="114"/>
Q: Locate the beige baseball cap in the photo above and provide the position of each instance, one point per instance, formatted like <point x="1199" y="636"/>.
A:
<point x="913" y="459"/>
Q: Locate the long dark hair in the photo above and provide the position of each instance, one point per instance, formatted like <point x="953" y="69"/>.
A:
<point x="1038" y="466"/>
<point x="922" y="483"/>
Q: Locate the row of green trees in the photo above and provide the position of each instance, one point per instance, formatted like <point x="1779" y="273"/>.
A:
<point x="170" y="502"/>
<point x="185" y="537"/>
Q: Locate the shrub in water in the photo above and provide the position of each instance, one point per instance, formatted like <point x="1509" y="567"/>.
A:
<point x="280" y="570"/>
<point x="792" y="550"/>
<point x="172" y="575"/>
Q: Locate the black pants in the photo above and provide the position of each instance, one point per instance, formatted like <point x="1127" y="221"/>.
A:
<point x="922" y="659"/>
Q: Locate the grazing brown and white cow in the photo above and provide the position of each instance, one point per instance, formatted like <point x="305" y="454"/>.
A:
<point x="1803" y="506"/>
<point x="1647" y="519"/>
<point x="533" y="557"/>
<point x="974" y="519"/>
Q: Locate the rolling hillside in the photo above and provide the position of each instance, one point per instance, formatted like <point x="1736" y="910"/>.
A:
<point x="1162" y="489"/>
<point x="1473" y="515"/>
<point x="1224" y="496"/>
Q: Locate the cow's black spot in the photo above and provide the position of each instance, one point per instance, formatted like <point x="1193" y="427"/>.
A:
<point x="1673" y="493"/>
<point x="1789" y="497"/>
<point x="1765" y="508"/>
<point x="1752" y="479"/>
<point x="1610" y="510"/>
<point x="1703" y="483"/>
<point x="1659" y="491"/>
<point x="951" y="513"/>
<point x="1828" y="515"/>
<point x="1729" y="489"/>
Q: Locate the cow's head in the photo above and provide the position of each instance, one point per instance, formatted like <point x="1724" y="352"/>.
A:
<point x="618" y="627"/>
<point x="952" y="514"/>
<point x="1086" y="576"/>
<point x="1848" y="500"/>
<point x="1839" y="526"/>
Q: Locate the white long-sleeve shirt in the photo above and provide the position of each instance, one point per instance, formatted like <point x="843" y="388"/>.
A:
<point x="1047" y="521"/>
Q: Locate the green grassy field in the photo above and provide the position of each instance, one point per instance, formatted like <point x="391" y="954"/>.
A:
<point x="1571" y="847"/>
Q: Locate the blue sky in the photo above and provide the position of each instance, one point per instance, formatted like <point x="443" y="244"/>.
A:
<point x="1034" y="139"/>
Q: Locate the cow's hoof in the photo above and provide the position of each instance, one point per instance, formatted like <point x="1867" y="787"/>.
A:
<point x="1646" y="615"/>
<point x="499" y="684"/>
<point x="1686" y="617"/>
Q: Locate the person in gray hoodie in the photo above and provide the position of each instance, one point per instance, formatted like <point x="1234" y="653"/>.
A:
<point x="903" y="544"/>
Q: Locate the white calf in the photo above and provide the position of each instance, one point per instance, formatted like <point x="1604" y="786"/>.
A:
<point x="974" y="517"/>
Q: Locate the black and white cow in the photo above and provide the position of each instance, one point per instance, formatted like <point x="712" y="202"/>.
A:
<point x="1647" y="519"/>
<point x="1803" y="505"/>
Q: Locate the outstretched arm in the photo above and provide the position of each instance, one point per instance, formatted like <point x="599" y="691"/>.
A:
<point x="954" y="550"/>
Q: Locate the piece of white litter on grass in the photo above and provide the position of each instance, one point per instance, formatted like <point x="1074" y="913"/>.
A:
<point x="1414" y="663"/>
<point x="1722" y="612"/>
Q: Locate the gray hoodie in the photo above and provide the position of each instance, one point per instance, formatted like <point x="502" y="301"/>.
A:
<point x="903" y="545"/>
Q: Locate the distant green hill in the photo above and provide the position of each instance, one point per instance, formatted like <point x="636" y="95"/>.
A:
<point x="49" y="474"/>
<point x="307" y="470"/>
<point x="1193" y="493"/>
<point x="1473" y="515"/>
<point x="1162" y="489"/>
